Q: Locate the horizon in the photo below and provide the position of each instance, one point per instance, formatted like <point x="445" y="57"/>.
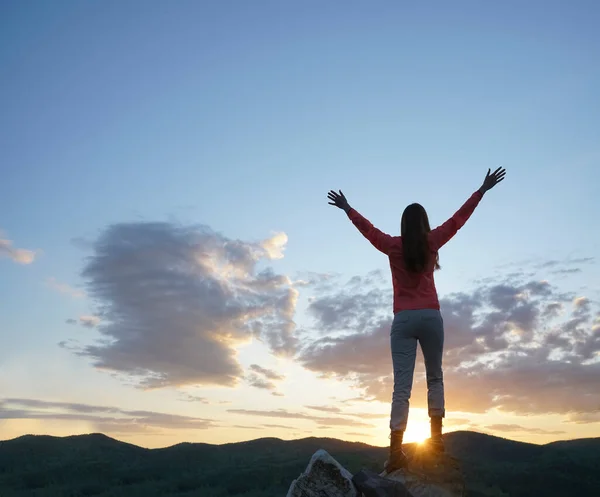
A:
<point x="454" y="432"/>
<point x="169" y="266"/>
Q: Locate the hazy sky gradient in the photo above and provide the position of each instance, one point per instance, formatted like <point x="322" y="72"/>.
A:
<point x="163" y="175"/>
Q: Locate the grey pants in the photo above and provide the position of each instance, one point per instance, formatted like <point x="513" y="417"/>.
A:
<point x="426" y="326"/>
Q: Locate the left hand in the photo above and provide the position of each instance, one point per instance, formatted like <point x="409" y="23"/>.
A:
<point x="339" y="200"/>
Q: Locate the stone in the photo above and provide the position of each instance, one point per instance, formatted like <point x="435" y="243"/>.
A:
<point x="323" y="477"/>
<point x="373" y="485"/>
<point x="430" y="475"/>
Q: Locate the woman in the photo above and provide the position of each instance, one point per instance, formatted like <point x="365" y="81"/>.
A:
<point x="413" y="258"/>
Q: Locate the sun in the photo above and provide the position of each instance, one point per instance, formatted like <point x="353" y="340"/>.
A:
<point x="417" y="432"/>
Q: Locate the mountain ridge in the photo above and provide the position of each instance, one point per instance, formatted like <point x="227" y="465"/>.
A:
<point x="98" y="465"/>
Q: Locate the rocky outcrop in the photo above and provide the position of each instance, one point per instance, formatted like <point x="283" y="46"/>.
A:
<point x="323" y="477"/>
<point x="425" y="476"/>
<point x="429" y="475"/>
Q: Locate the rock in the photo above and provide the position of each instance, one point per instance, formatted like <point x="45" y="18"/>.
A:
<point x="430" y="475"/>
<point x="323" y="477"/>
<point x="373" y="485"/>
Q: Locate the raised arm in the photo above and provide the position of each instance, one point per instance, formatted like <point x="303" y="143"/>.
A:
<point x="380" y="240"/>
<point x="443" y="233"/>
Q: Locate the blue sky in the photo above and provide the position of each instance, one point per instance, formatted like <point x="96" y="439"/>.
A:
<point x="241" y="116"/>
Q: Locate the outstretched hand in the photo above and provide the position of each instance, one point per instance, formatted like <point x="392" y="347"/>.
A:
<point x="339" y="200"/>
<point x="491" y="180"/>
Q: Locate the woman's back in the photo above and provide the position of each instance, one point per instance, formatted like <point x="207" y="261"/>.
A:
<point x="415" y="289"/>
<point x="412" y="290"/>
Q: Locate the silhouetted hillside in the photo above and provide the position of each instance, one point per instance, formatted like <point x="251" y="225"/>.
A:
<point x="86" y="465"/>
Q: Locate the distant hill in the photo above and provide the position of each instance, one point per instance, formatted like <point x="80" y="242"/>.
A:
<point x="96" y="465"/>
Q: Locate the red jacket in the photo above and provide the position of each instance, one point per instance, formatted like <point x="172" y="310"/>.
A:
<point x="414" y="290"/>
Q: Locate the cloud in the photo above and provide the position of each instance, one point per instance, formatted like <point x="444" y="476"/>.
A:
<point x="565" y="262"/>
<point x="518" y="428"/>
<point x="89" y="321"/>
<point x="194" y="398"/>
<point x="573" y="270"/>
<point x="262" y="378"/>
<point x="64" y="288"/>
<point x="275" y="245"/>
<point x="357" y="434"/>
<point x="282" y="413"/>
<point x="518" y="346"/>
<point x="267" y="373"/>
<point x="176" y="301"/>
<point x="106" y="419"/>
<point x="337" y="410"/>
<point x="585" y="417"/>
<point x="18" y="255"/>
<point x="256" y="381"/>
<point x="325" y="408"/>
<point x="317" y="281"/>
<point x="358" y="304"/>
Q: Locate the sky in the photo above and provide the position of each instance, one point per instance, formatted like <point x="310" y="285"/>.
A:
<point x="170" y="269"/>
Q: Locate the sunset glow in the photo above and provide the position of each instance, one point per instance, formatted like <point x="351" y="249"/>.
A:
<point x="171" y="271"/>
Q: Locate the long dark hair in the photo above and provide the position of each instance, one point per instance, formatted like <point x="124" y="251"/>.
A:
<point x="415" y="246"/>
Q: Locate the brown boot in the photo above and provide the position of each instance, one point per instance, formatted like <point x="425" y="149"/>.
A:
<point x="397" y="458"/>
<point x="436" y="442"/>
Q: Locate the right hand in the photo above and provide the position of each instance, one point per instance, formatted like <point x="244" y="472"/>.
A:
<point x="491" y="180"/>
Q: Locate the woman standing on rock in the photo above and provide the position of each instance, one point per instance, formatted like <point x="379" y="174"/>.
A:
<point x="413" y="258"/>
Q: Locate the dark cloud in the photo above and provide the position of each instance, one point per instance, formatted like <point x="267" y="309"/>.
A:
<point x="282" y="413"/>
<point x="357" y="304"/>
<point x="106" y="419"/>
<point x="518" y="428"/>
<point x="507" y="346"/>
<point x="175" y="301"/>
<point x="71" y="321"/>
